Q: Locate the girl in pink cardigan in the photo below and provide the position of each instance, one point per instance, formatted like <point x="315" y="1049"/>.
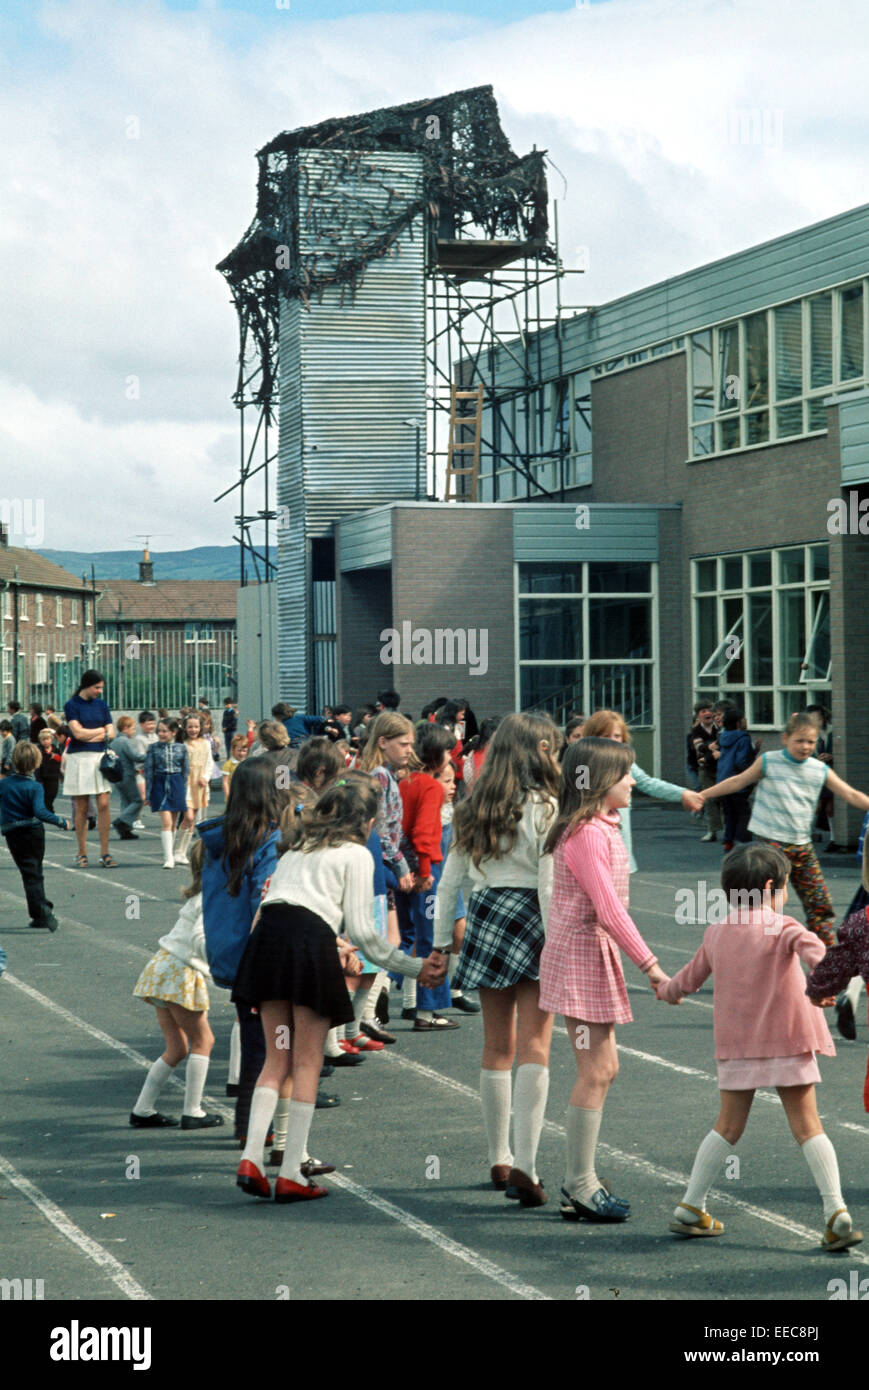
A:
<point x="580" y="968"/>
<point x="766" y="1033"/>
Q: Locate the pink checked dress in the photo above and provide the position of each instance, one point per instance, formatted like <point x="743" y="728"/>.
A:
<point x="580" y="969"/>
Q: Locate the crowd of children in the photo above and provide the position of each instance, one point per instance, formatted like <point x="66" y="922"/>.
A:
<point x="342" y="859"/>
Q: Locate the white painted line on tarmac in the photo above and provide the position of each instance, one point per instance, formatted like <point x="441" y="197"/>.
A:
<point x="644" y="1165"/>
<point x="405" y="1218"/>
<point x="91" y="1248"/>
<point x="443" y="1242"/>
<point x="102" y="878"/>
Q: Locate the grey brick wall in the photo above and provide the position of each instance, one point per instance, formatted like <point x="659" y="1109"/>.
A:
<point x="455" y="571"/>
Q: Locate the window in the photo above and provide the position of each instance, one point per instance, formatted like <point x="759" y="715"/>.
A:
<point x="544" y="433"/>
<point x="586" y="637"/>
<point x="764" y="377"/>
<point x="39" y="603"/>
<point x="767" y="644"/>
<point x="201" y="632"/>
<point x="58" y="612"/>
<point x="73" y="610"/>
<point x="7" y="603"/>
<point x="22" y="609"/>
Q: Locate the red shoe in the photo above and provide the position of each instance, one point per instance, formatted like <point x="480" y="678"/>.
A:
<point x="350" y="1048"/>
<point x="727" y="846"/>
<point x="249" y="1178"/>
<point x="363" y="1044"/>
<point x="288" y="1191"/>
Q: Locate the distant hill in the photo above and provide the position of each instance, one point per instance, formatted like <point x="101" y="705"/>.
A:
<point x="205" y="562"/>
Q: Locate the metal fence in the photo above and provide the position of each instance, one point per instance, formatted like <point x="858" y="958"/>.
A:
<point x="149" y="670"/>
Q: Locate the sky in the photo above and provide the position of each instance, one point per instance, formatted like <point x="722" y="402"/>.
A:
<point x="127" y="170"/>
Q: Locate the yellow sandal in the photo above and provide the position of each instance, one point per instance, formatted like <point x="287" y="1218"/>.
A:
<point x="705" y="1225"/>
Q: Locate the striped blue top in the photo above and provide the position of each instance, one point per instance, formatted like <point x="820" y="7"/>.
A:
<point x="786" y="797"/>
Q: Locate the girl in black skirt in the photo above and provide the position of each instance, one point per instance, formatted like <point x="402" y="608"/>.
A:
<point x="294" y="965"/>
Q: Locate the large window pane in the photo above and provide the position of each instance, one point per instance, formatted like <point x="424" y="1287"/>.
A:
<point x="704" y="440"/>
<point x="759" y="569"/>
<point x="761" y="708"/>
<point x="619" y="628"/>
<point x="581" y="439"/>
<point x="728" y="368"/>
<point x="705" y="613"/>
<point x="792" y="565"/>
<point x="817" y="414"/>
<point x="701" y="365"/>
<point x="792" y="635"/>
<point x="817" y="660"/>
<point x="821" y="340"/>
<point x="760" y="639"/>
<point x="820" y="558"/>
<point x="789" y="420"/>
<point x="757" y="427"/>
<point x="728" y="433"/>
<point x="735" y="651"/>
<point x="756" y="362"/>
<point x="788" y="351"/>
<point x="627" y="689"/>
<point x="550" y="629"/>
<point x="704" y="575"/>
<point x="606" y="577"/>
<point x="851" y="341"/>
<point x="731" y="572"/>
<point x="555" y="578"/>
<point x="540" y="683"/>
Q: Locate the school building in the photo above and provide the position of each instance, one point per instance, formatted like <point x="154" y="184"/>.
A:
<point x="687" y="520"/>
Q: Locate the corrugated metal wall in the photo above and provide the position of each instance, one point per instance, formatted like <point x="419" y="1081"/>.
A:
<point x="556" y="532"/>
<point x="854" y="437"/>
<point x="366" y="541"/>
<point x="258" y="683"/>
<point x="351" y="373"/>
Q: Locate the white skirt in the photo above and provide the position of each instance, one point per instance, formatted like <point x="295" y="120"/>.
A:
<point x="83" y="776"/>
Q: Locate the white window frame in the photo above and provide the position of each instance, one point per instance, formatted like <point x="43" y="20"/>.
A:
<point x="39" y="605"/>
<point x="58" y="610"/>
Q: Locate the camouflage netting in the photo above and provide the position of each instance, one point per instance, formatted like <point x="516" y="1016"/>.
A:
<point x="473" y="185"/>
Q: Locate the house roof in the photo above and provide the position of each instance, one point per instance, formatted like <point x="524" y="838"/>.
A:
<point x="168" y="601"/>
<point x="34" y="570"/>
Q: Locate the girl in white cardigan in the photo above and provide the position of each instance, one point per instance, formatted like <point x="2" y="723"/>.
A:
<point x="174" y="981"/>
<point x="496" y="858"/>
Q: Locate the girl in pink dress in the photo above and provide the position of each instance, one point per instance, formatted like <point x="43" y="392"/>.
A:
<point x="580" y="968"/>
<point x="766" y="1033"/>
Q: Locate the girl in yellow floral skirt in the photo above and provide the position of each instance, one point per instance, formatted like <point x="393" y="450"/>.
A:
<point x="174" y="981"/>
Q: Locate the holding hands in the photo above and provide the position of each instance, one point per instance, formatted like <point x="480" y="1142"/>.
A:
<point x="691" y="800"/>
<point x="349" y="957"/>
<point x="434" y="969"/>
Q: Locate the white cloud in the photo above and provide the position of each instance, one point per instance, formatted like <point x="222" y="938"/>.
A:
<point x="108" y="243"/>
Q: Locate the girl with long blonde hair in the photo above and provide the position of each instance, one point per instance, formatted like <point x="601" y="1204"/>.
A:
<point x="580" y="969"/>
<point x="497" y="858"/>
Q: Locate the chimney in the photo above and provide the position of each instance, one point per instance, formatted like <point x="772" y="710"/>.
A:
<point x="146" y="568"/>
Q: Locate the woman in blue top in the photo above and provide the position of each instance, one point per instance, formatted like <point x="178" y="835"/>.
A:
<point x="90" y="724"/>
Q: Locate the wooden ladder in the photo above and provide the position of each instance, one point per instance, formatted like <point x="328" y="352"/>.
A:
<point x="464" y="422"/>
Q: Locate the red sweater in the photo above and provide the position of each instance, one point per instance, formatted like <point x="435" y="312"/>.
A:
<point x="422" y="797"/>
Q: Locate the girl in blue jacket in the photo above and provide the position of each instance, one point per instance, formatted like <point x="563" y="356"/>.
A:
<point x="22" y="813"/>
<point x="241" y="851"/>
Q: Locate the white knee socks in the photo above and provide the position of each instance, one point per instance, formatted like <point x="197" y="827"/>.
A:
<point x="184" y="838"/>
<point x="821" y="1158"/>
<point x="583" y="1126"/>
<point x="331" y="1048"/>
<point x="282" y="1113"/>
<point x="234" y="1054"/>
<point x="158" y="1074"/>
<point x="262" y="1108"/>
<point x="854" y="990"/>
<point x="495" y="1093"/>
<point x="298" y="1128"/>
<point x="708" y="1163"/>
<point x="194" y="1083"/>
<point x="381" y="982"/>
<point x="360" y="1003"/>
<point x="529" y="1107"/>
<point x="166" y="838"/>
<point x="408" y="992"/>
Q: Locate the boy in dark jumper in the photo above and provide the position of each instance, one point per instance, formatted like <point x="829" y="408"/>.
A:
<point x="22" y="812"/>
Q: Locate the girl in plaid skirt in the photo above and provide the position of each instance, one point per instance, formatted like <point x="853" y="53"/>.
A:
<point x="580" y="969"/>
<point x="496" y="857"/>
